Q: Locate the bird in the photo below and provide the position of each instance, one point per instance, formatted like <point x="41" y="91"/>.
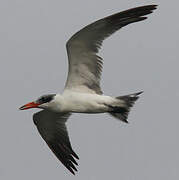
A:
<point x="82" y="92"/>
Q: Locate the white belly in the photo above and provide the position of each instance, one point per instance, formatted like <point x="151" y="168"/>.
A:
<point x="85" y="103"/>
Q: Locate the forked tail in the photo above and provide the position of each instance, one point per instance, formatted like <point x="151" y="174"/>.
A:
<point x="121" y="112"/>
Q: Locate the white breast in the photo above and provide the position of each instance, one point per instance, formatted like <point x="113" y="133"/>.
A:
<point x="82" y="102"/>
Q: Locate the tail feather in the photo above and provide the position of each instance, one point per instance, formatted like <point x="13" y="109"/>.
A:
<point x="122" y="112"/>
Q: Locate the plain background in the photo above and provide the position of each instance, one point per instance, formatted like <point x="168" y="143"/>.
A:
<point x="141" y="56"/>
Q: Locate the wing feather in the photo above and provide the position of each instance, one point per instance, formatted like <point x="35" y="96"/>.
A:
<point x="52" y="128"/>
<point x="85" y="66"/>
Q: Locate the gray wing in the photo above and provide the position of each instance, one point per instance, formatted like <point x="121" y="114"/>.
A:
<point x="85" y="65"/>
<point x="52" y="128"/>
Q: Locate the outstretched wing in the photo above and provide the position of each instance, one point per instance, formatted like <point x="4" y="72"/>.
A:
<point x="52" y="128"/>
<point x="85" y="65"/>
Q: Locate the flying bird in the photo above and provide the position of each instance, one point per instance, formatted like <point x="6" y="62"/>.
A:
<point x="82" y="92"/>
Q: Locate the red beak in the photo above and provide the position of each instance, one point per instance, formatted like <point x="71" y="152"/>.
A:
<point x="29" y="105"/>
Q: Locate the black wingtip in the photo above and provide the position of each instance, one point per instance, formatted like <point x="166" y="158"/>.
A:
<point x="149" y="7"/>
<point x="139" y="93"/>
<point x="125" y="121"/>
<point x="129" y="16"/>
<point x="75" y="155"/>
<point x="71" y="171"/>
<point x="154" y="6"/>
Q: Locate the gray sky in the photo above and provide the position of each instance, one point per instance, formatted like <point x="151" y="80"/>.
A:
<point x="141" y="56"/>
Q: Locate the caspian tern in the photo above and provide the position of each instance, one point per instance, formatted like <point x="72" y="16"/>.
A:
<point x="82" y="93"/>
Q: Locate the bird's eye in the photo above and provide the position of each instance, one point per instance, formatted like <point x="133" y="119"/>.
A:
<point x="40" y="100"/>
<point x="45" y="99"/>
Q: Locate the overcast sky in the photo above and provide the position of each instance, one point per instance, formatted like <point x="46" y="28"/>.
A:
<point x="141" y="56"/>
